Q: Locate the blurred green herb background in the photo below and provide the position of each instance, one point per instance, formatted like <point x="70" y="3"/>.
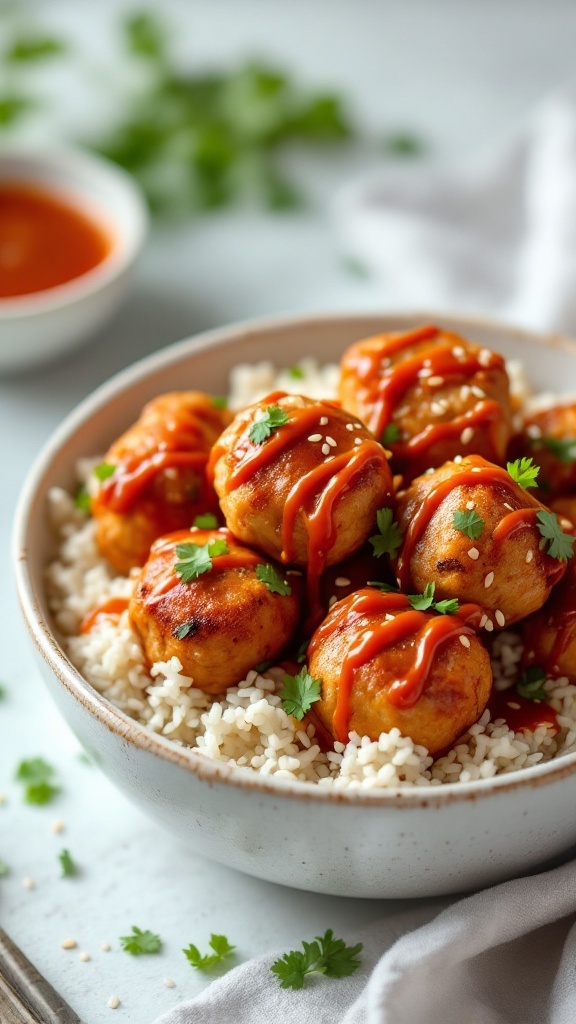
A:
<point x="194" y="141"/>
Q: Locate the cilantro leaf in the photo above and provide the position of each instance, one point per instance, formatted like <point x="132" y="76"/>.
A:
<point x="560" y="544"/>
<point x="273" y="418"/>
<point x="524" y="472"/>
<point x="299" y="693"/>
<point x="82" y="500"/>
<point x="296" y="372"/>
<point x="447" y="607"/>
<point x="12" y="106"/>
<point x="104" y="470"/>
<point x="35" y="775"/>
<point x="33" y="48"/>
<point x="186" y="629"/>
<point x="531" y="684"/>
<point x="262" y="666"/>
<point x="206" y="521"/>
<point x="69" y="868"/>
<point x="272" y="579"/>
<point x="391" y="434"/>
<point x="425" y="601"/>
<point x="564" y="448"/>
<point x="145" y="36"/>
<point x="325" y="955"/>
<point x="195" y="559"/>
<point x="389" y="540"/>
<point x="219" y="402"/>
<point x="302" y="651"/>
<point x="4" y="869"/>
<point x="469" y="523"/>
<point x="386" y="588"/>
<point x="222" y="950"/>
<point x="140" y="942"/>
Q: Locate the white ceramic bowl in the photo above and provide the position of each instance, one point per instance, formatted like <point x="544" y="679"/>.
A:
<point x="411" y="842"/>
<point x="37" y="327"/>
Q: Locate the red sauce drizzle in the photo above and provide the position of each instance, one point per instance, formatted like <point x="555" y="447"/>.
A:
<point x="524" y="714"/>
<point x="235" y="558"/>
<point x="430" y="631"/>
<point x="485" y="414"/>
<point x="120" y="491"/>
<point x="110" y="609"/>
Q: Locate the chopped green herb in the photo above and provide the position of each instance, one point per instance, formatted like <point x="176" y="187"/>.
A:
<point x="425" y="601"/>
<point x="206" y="521"/>
<point x="386" y="588"/>
<point x="299" y="693"/>
<point x="389" y="540"/>
<point x="531" y="684"/>
<point x="272" y="579"/>
<point x="222" y="950"/>
<point x="4" y="869"/>
<point x="564" y="448"/>
<point x="302" y="651"/>
<point x="186" y="629"/>
<point x="325" y="955"/>
<point x="391" y="434"/>
<point x="12" y="106"/>
<point x="273" y="418"/>
<point x="524" y="472"/>
<point x="219" y="401"/>
<point x="469" y="523"/>
<point x="195" y="559"/>
<point x="35" y="775"/>
<point x="262" y="666"/>
<point x="146" y="36"/>
<point x="296" y="372"/>
<point x="104" y="470"/>
<point x="140" y="942"/>
<point x="33" y="48"/>
<point x="557" y="543"/>
<point x="69" y="868"/>
<point x="82" y="500"/>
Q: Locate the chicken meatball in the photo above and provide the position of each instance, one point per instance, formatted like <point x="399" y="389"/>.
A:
<point x="383" y="665"/>
<point x="428" y="395"/>
<point x="300" y="480"/>
<point x="550" y="437"/>
<point x="550" y="634"/>
<point x="157" y="482"/>
<point x="479" y="536"/>
<point x="214" y="604"/>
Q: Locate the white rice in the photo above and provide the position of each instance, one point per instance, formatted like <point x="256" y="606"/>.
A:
<point x="247" y="725"/>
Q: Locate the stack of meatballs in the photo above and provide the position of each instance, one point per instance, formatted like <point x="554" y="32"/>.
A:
<point x="386" y="537"/>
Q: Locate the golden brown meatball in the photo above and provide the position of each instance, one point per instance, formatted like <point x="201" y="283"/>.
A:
<point x="300" y="480"/>
<point x="549" y="436"/>
<point x="550" y="634"/>
<point x="429" y="395"/>
<point x="159" y="483"/>
<point x="475" y="533"/>
<point x="219" y="621"/>
<point x="383" y="665"/>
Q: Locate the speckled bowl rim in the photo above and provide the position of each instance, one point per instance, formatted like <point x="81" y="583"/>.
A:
<point x="137" y="735"/>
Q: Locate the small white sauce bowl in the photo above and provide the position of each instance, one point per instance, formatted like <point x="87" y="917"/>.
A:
<point x="418" y="841"/>
<point x="40" y="326"/>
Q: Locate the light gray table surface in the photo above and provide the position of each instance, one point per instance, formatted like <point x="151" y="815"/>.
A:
<point x="462" y="73"/>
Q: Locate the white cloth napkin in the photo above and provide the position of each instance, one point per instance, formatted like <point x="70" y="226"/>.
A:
<point x="500" y="240"/>
<point x="503" y="956"/>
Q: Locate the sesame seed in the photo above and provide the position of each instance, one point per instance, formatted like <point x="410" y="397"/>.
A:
<point x="465" y="392"/>
<point x="512" y="704"/>
<point x="332" y="600"/>
<point x="331" y="442"/>
<point x="113" y="1002"/>
<point x="398" y="581"/>
<point x="169" y="983"/>
<point x="323" y="421"/>
<point x="489" y="580"/>
<point x="357" y="440"/>
<point x="359" y="426"/>
<point x="425" y="372"/>
<point x="325" y="449"/>
<point x="404" y="409"/>
<point x="457" y="459"/>
<point x="464" y="640"/>
<point x="467" y="435"/>
<point x="315" y="437"/>
<point x="388" y="617"/>
<point x="478" y="392"/>
<point x="436" y="408"/>
<point x="533" y="430"/>
<point x="470" y="505"/>
<point x="105" y="946"/>
<point x="28" y="883"/>
<point x="529" y="556"/>
<point x="489" y="626"/>
<point x="342" y="581"/>
<point x="506" y="505"/>
<point x="483" y="621"/>
<point x="68" y="944"/>
<point x="427" y="362"/>
<point x="349" y="426"/>
<point x="458" y="352"/>
<point x="473" y="553"/>
<point x="500" y="617"/>
<point x="84" y="957"/>
<point x="475" y="469"/>
<point x="485" y="357"/>
<point x="57" y="826"/>
<point x="436" y="382"/>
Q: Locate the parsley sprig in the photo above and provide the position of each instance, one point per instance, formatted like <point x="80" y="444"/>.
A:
<point x="524" y="472"/>
<point x="222" y="950"/>
<point x="469" y="523"/>
<point x="424" y="602"/>
<point x="557" y="543"/>
<point x="531" y="684"/>
<point x="103" y="471"/>
<point x="206" y="521"/>
<point x="69" y="868"/>
<point x="389" y="540"/>
<point x="564" y="448"/>
<point x="268" y="421"/>
<point x="325" y="955"/>
<point x="140" y="942"/>
<point x="36" y="774"/>
<point x="195" y="559"/>
<point x="299" y="693"/>
<point x="272" y="579"/>
<point x="391" y="434"/>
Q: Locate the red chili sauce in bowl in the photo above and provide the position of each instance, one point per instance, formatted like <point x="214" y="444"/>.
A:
<point x="45" y="241"/>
